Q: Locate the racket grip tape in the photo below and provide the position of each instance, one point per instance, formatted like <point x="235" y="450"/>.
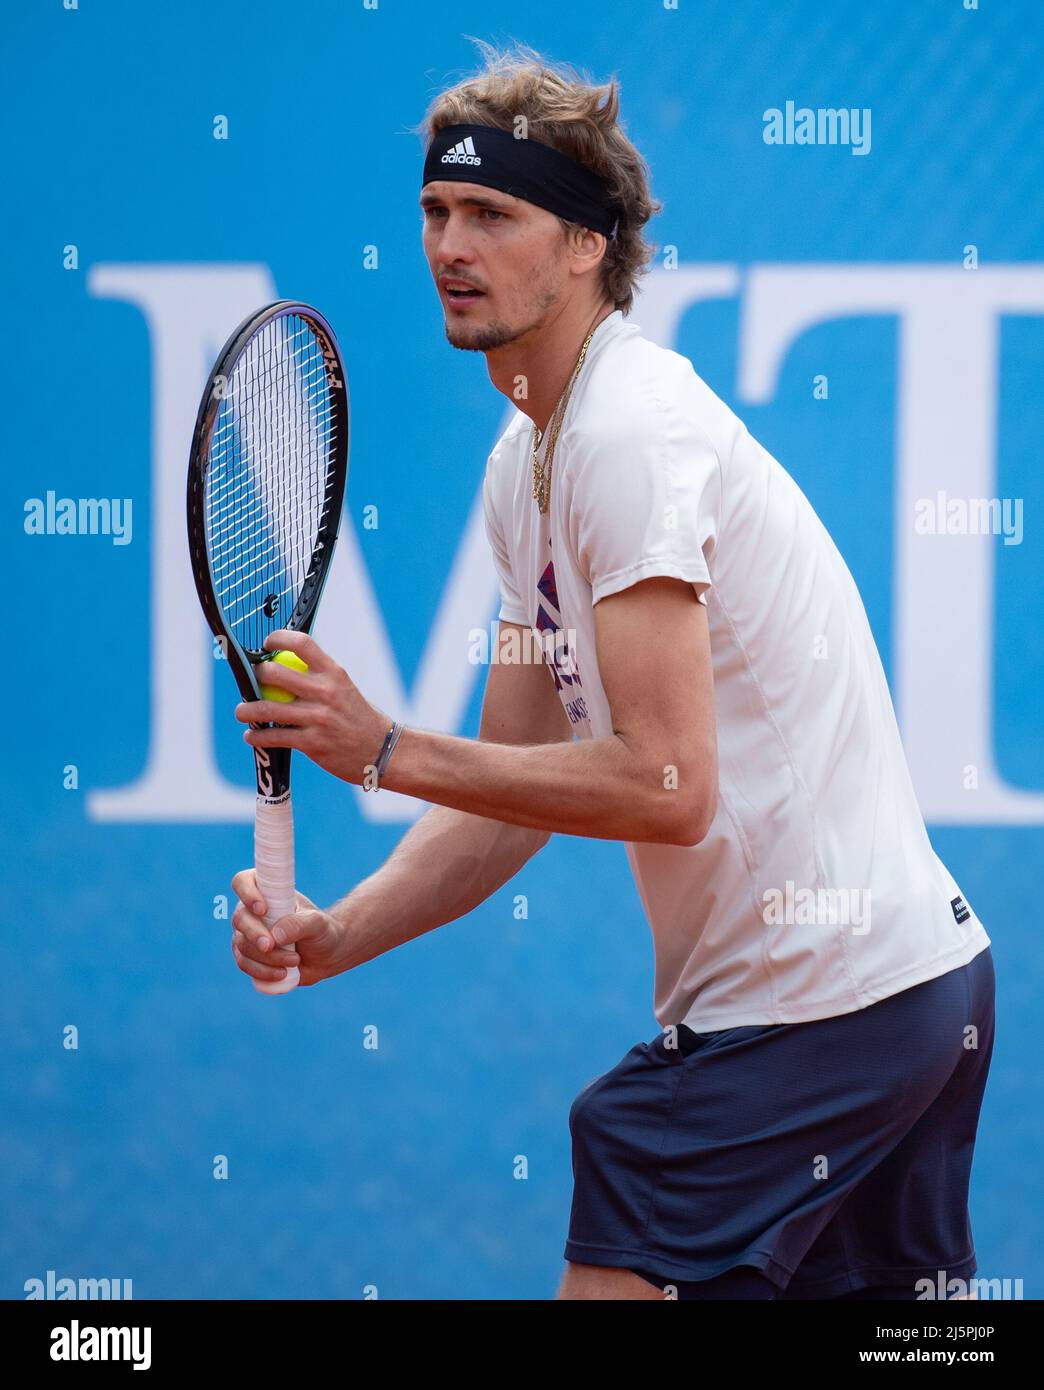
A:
<point x="274" y="867"/>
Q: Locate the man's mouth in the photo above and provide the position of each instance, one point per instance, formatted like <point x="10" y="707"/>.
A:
<point x="460" y="292"/>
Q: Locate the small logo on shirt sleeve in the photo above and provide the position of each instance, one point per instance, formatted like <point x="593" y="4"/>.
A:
<point x="960" y="909"/>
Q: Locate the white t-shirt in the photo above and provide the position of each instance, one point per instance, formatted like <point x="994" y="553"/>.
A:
<point x="816" y="890"/>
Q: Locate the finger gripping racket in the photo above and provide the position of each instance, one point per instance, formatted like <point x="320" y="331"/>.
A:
<point x="266" y="484"/>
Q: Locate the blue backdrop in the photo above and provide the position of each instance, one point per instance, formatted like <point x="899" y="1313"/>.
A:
<point x="134" y="241"/>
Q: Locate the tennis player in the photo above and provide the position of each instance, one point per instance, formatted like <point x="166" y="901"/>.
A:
<point x="708" y="691"/>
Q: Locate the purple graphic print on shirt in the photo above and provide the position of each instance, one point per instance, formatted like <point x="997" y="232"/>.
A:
<point x="557" y="652"/>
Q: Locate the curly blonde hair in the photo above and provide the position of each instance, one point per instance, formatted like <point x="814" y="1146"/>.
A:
<point x="564" y="109"/>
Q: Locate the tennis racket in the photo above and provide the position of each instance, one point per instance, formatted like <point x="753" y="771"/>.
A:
<point x="266" y="484"/>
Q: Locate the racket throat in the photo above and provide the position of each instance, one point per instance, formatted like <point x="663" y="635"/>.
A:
<point x="272" y="766"/>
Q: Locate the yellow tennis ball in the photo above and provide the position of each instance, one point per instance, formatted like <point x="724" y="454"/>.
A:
<point x="275" y="692"/>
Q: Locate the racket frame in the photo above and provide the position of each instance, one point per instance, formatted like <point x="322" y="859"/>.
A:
<point x="271" y="765"/>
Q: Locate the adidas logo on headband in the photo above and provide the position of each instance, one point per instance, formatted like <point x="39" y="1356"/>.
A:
<point x="462" y="153"/>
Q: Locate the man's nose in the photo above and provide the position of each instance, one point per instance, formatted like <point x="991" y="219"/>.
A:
<point x="454" y="243"/>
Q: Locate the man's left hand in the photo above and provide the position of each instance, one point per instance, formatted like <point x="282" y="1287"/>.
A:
<point x="329" y="719"/>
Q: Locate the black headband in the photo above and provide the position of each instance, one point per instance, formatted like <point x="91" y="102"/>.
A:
<point x="525" y="169"/>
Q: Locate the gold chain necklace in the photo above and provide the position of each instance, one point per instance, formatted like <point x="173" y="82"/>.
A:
<point x="542" y="471"/>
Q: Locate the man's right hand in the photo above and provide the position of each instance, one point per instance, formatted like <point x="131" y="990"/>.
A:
<point x="311" y="938"/>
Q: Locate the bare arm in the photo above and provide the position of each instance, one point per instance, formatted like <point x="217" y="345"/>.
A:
<point x="653" y="779"/>
<point x="450" y="860"/>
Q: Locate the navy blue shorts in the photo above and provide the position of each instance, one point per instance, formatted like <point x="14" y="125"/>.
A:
<point x="794" y="1160"/>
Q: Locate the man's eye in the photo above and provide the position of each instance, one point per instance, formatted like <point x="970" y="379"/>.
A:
<point x="492" y="212"/>
<point x="432" y="212"/>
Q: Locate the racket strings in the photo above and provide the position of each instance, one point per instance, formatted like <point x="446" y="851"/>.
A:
<point x="230" y="500"/>
<point x="270" y="478"/>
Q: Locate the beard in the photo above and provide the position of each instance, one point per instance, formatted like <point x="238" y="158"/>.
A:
<point x="486" y="337"/>
<point x="482" y="337"/>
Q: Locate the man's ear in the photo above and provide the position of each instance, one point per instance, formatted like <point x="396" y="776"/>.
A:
<point x="587" y="249"/>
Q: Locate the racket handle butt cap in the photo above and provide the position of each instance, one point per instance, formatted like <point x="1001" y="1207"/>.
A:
<point x="290" y="981"/>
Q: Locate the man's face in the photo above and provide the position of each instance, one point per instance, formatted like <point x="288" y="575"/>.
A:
<point x="499" y="262"/>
